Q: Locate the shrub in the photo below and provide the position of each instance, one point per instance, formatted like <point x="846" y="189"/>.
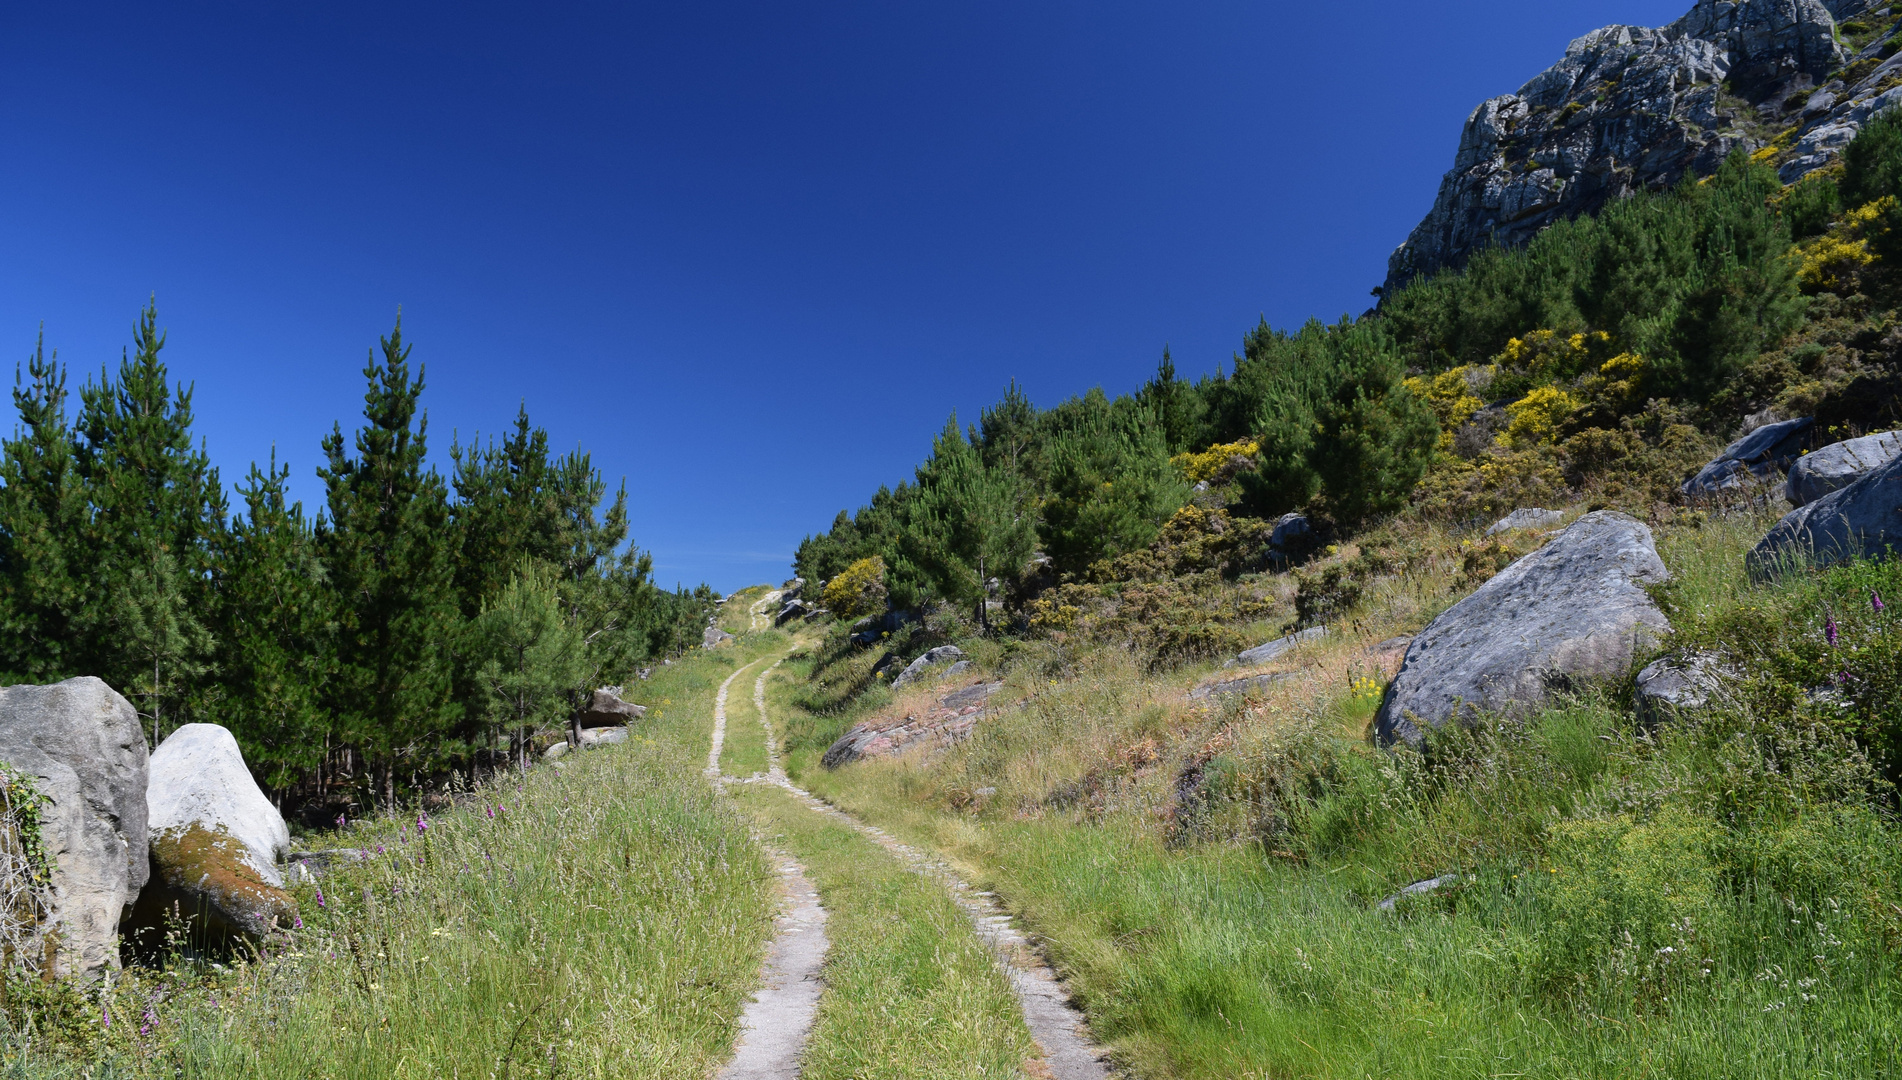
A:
<point x="1210" y="464"/>
<point x="1537" y="417"/>
<point x="858" y="590"/>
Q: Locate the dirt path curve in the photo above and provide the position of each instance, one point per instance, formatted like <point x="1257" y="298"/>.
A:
<point x="756" y="617"/>
<point x="1057" y="1026"/>
<point x="774" y="1024"/>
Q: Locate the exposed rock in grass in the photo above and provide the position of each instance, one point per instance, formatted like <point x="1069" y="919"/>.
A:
<point x="948" y="722"/>
<point x="1231" y="687"/>
<point x="714" y="637"/>
<point x="312" y="866"/>
<point x="1839" y="465"/>
<point x="81" y="742"/>
<point x="1572" y="611"/>
<point x="1531" y="518"/>
<point x="1262" y="654"/>
<point x="606" y="708"/>
<point x="1862" y="520"/>
<point x="1677" y="684"/>
<point x="1293" y="534"/>
<point x="1753" y="459"/>
<point x="918" y="668"/>
<point x="593" y="738"/>
<point x="1421" y="888"/>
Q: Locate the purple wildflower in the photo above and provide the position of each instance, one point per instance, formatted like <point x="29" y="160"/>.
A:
<point x="105" y="1014"/>
<point x="320" y="898"/>
<point x="298" y="925"/>
<point x="379" y="849"/>
<point x="1829" y="631"/>
<point x="340" y="821"/>
<point x="491" y="814"/>
<point x="1875" y="601"/>
<point x="422" y="824"/>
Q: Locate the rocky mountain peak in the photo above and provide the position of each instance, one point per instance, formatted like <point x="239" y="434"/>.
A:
<point x="1633" y="108"/>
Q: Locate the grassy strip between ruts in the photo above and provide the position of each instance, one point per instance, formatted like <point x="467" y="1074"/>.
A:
<point x="604" y="919"/>
<point x="911" y="994"/>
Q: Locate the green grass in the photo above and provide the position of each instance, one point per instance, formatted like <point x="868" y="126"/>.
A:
<point x="1721" y="897"/>
<point x="744" y="751"/>
<point x="910" y="993"/>
<point x="608" y="922"/>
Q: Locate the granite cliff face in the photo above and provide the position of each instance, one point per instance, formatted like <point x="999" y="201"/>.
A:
<point x="1632" y="108"/>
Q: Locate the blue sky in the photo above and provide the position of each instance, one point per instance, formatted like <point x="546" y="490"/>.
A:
<point x="749" y="256"/>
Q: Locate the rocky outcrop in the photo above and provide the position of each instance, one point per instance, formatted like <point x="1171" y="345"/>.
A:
<point x="215" y="839"/>
<point x="948" y="722"/>
<point x="1632" y="108"/>
<point x="1861" y="520"/>
<point x="81" y="743"/>
<point x="919" y="668"/>
<point x="714" y="637"/>
<point x="1755" y="458"/>
<point x="1574" y="610"/>
<point x="1839" y="465"/>
<point x="1526" y="519"/>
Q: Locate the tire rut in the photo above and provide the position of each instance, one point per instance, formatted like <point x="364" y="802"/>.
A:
<point x="1056" y="1025"/>
<point x="776" y="1022"/>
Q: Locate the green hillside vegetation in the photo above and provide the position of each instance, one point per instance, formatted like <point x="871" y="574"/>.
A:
<point x="1706" y="894"/>
<point x="414" y="626"/>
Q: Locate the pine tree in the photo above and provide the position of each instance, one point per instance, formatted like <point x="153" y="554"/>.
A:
<point x="970" y="524"/>
<point x="531" y="657"/>
<point x="387" y="550"/>
<point x="1111" y="484"/>
<point x="274" y="632"/>
<point x="42" y="513"/>
<point x="156" y="512"/>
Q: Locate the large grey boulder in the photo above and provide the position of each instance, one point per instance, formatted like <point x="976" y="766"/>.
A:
<point x="919" y="668"/>
<point x="81" y="741"/>
<point x="606" y="708"/>
<point x="1861" y="520"/>
<point x="714" y="637"/>
<point x="1574" y="610"/>
<point x="1754" y="458"/>
<point x="216" y="840"/>
<point x="1838" y="465"/>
